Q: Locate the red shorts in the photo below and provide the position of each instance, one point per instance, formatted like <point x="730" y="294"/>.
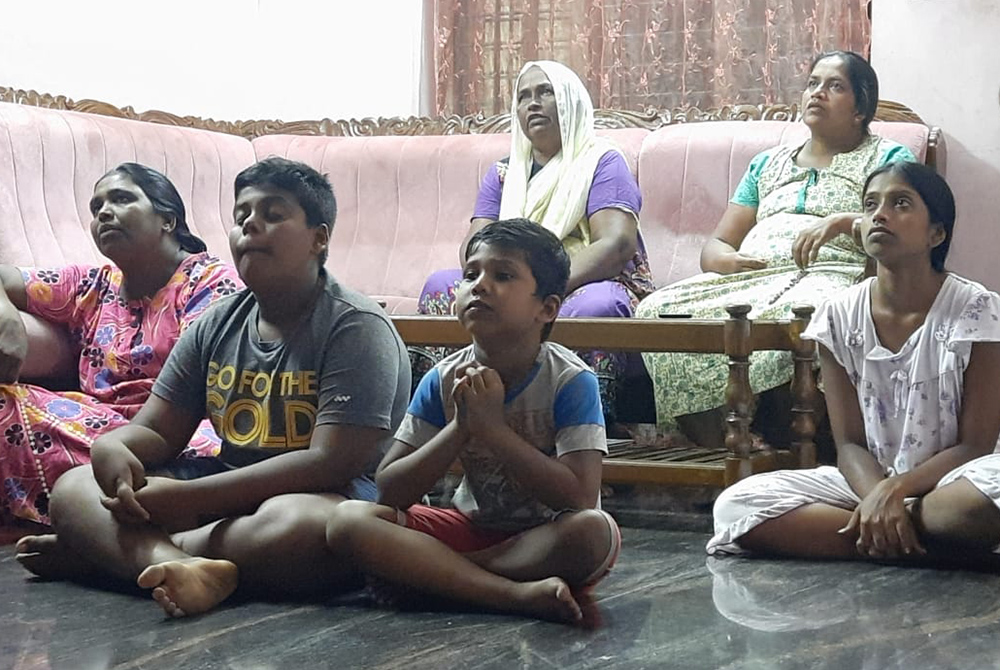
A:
<point x="452" y="528"/>
<point x="455" y="530"/>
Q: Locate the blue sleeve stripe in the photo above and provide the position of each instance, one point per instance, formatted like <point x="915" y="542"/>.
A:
<point x="579" y="402"/>
<point x="426" y="403"/>
<point x="747" y="193"/>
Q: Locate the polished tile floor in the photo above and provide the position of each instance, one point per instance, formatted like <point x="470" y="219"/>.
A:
<point x="664" y="606"/>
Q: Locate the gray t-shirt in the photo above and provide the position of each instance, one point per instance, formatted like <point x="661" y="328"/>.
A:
<point x="345" y="364"/>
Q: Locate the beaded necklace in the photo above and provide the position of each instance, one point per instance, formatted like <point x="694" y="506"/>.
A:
<point x="794" y="280"/>
<point x="43" y="418"/>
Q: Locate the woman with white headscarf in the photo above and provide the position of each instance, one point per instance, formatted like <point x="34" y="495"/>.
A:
<point x="561" y="175"/>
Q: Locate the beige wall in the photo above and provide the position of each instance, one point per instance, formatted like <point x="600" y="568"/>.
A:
<point x="942" y="58"/>
<point x="226" y="59"/>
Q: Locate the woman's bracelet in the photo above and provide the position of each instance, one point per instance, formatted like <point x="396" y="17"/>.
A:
<point x="856" y="232"/>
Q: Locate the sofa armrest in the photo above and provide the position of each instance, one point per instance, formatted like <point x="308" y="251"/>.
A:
<point x="50" y="354"/>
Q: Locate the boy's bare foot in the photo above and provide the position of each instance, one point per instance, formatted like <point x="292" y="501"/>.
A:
<point x="189" y="586"/>
<point x="47" y="557"/>
<point x="549" y="599"/>
<point x="590" y="618"/>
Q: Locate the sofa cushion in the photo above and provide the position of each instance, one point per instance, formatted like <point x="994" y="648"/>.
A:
<point x="50" y="160"/>
<point x="404" y="202"/>
<point x="688" y="172"/>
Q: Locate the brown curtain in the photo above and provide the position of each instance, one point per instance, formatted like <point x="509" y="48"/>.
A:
<point x="634" y="54"/>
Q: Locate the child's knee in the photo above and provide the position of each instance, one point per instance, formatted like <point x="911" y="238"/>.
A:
<point x="592" y="534"/>
<point x="74" y="488"/>
<point x="728" y="507"/>
<point x="350" y="518"/>
<point x="292" y="518"/>
<point x="279" y="510"/>
<point x="956" y="507"/>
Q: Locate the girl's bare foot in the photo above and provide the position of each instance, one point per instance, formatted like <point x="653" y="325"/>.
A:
<point x="47" y="557"/>
<point x="190" y="586"/>
<point x="548" y="599"/>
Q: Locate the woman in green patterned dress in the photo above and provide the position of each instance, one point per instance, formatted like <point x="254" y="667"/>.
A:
<point x="784" y="240"/>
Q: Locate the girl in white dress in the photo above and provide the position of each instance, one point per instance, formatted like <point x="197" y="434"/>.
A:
<point x="910" y="361"/>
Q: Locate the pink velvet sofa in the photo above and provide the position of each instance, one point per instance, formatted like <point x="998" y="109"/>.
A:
<point x="404" y="199"/>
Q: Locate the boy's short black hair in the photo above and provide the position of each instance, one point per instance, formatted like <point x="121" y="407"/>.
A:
<point x="311" y="189"/>
<point x="543" y="252"/>
<point x="937" y="197"/>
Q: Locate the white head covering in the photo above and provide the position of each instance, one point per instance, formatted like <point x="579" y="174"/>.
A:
<point x="557" y="196"/>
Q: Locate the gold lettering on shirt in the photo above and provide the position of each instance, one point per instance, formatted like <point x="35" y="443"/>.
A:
<point x="246" y="420"/>
<point x="293" y="410"/>
<point x="258" y="383"/>
<point x="298" y="383"/>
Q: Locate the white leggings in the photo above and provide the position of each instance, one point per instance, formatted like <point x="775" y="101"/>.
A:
<point x="768" y="495"/>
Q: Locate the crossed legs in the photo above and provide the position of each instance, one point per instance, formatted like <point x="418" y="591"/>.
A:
<point x="530" y="573"/>
<point x="956" y="515"/>
<point x="280" y="548"/>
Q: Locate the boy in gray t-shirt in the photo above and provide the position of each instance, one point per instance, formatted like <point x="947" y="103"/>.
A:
<point x="265" y="398"/>
<point x="303" y="380"/>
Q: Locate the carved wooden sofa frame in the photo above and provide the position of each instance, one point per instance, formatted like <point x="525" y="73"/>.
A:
<point x="650" y="119"/>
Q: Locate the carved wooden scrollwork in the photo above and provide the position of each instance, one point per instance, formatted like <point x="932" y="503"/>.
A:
<point x="35" y="99"/>
<point x="650" y="119"/>
<point x="888" y="110"/>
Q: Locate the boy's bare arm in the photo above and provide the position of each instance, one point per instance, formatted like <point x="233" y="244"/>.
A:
<point x="119" y="458"/>
<point x="155" y="436"/>
<point x="406" y="474"/>
<point x="336" y="455"/>
<point x="159" y="432"/>
<point x="572" y="481"/>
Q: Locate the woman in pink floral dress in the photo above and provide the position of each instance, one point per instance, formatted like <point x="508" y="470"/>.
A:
<point x="123" y="320"/>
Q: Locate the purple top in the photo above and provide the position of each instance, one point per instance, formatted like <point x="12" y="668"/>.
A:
<point x="613" y="186"/>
